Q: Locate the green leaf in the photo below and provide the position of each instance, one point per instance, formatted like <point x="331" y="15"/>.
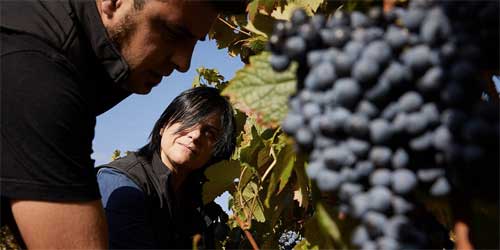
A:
<point x="253" y="202"/>
<point x="285" y="13"/>
<point x="249" y="153"/>
<point x="260" y="92"/>
<point x="303" y="182"/>
<point x="328" y="224"/>
<point x="220" y="179"/>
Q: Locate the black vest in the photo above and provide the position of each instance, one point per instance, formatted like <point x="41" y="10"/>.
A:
<point x="74" y="30"/>
<point x="174" y="221"/>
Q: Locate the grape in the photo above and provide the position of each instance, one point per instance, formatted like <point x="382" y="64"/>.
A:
<point x="365" y="70"/>
<point x="304" y="137"/>
<point x="343" y="63"/>
<point x="353" y="49"/>
<point x="357" y="126"/>
<point x="328" y="180"/>
<point x="292" y="123"/>
<point x="379" y="51"/>
<point x="435" y="27"/>
<point x="337" y="157"/>
<point x="417" y="58"/>
<point x="334" y="121"/>
<point x="315" y="57"/>
<point x="381" y="156"/>
<point x="374" y="222"/>
<point x="311" y="109"/>
<point x="360" y="236"/>
<point x="367" y="109"/>
<point x="380" y="131"/>
<point x="279" y="62"/>
<point x="397" y="75"/>
<point x="390" y="111"/>
<point x="400" y="205"/>
<point x="395" y="225"/>
<point x="369" y="245"/>
<point x="403" y="181"/>
<point x="387" y="243"/>
<point x="440" y="187"/>
<point x="413" y="18"/>
<point x="431" y="113"/>
<point x="380" y="198"/>
<point x="396" y="37"/>
<point x="359" y="148"/>
<point x="339" y="18"/>
<point x="314" y="168"/>
<point x="289" y="239"/>
<point x="348" y="190"/>
<point x="364" y="168"/>
<point x="410" y="101"/>
<point x="416" y="123"/>
<point x="359" y="20"/>
<point x="423" y="142"/>
<point x="335" y="37"/>
<point x="295" y="46"/>
<point x="381" y="177"/>
<point x="429" y="175"/>
<point x="321" y="76"/>
<point x="347" y="91"/>
<point x="431" y="81"/>
<point x="359" y="204"/>
<point x="400" y="159"/>
<point x="299" y="17"/>
<point x="389" y="104"/>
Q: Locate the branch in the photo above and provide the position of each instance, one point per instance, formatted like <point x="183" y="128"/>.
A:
<point x="247" y="233"/>
<point x="233" y="27"/>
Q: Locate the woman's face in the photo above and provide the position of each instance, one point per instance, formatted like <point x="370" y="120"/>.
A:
<point x="190" y="149"/>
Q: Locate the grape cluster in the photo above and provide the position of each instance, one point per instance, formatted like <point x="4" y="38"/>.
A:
<point x="288" y="240"/>
<point x="388" y="105"/>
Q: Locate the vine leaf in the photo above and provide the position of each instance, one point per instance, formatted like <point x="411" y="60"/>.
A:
<point x="260" y="92"/>
<point x="284" y="13"/>
<point x="328" y="236"/>
<point x="303" y="190"/>
<point x="220" y="179"/>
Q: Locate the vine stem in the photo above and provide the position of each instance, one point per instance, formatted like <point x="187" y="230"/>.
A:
<point x="247" y="233"/>
<point x="233" y="27"/>
<point x="268" y="170"/>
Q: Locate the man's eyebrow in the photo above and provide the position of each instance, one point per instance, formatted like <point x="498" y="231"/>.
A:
<point x="180" y="30"/>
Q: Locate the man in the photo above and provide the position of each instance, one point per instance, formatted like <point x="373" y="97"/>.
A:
<point x="62" y="64"/>
<point x="152" y="197"/>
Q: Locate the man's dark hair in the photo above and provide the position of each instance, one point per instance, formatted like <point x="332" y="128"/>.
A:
<point x="229" y="7"/>
<point x="190" y="108"/>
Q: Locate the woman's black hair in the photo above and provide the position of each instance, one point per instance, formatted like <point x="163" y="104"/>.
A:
<point x="190" y="108"/>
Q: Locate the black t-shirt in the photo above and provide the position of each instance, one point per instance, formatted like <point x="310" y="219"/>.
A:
<point x="47" y="125"/>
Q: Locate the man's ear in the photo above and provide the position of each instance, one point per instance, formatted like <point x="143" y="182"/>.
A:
<point x="109" y="7"/>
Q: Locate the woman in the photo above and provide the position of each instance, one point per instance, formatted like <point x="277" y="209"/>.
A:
<point x="152" y="197"/>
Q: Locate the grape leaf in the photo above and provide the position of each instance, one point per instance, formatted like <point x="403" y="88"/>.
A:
<point x="220" y="179"/>
<point x="284" y="13"/>
<point x="302" y="182"/>
<point x="260" y="92"/>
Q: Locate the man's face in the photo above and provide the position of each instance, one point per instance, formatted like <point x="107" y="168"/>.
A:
<point x="158" y="38"/>
<point x="190" y="149"/>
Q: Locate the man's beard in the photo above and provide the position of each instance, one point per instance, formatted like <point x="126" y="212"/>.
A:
<point x="121" y="34"/>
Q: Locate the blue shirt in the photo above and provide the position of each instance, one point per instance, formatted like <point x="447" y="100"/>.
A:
<point x="129" y="223"/>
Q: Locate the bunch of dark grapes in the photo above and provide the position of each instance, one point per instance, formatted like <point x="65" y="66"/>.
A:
<point x="388" y="105"/>
<point x="289" y="239"/>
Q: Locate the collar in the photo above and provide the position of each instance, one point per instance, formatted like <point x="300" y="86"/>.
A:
<point x="107" y="54"/>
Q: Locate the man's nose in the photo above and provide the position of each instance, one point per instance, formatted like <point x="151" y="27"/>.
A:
<point x="182" y="57"/>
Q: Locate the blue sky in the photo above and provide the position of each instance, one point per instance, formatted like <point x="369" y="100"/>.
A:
<point x="127" y="125"/>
